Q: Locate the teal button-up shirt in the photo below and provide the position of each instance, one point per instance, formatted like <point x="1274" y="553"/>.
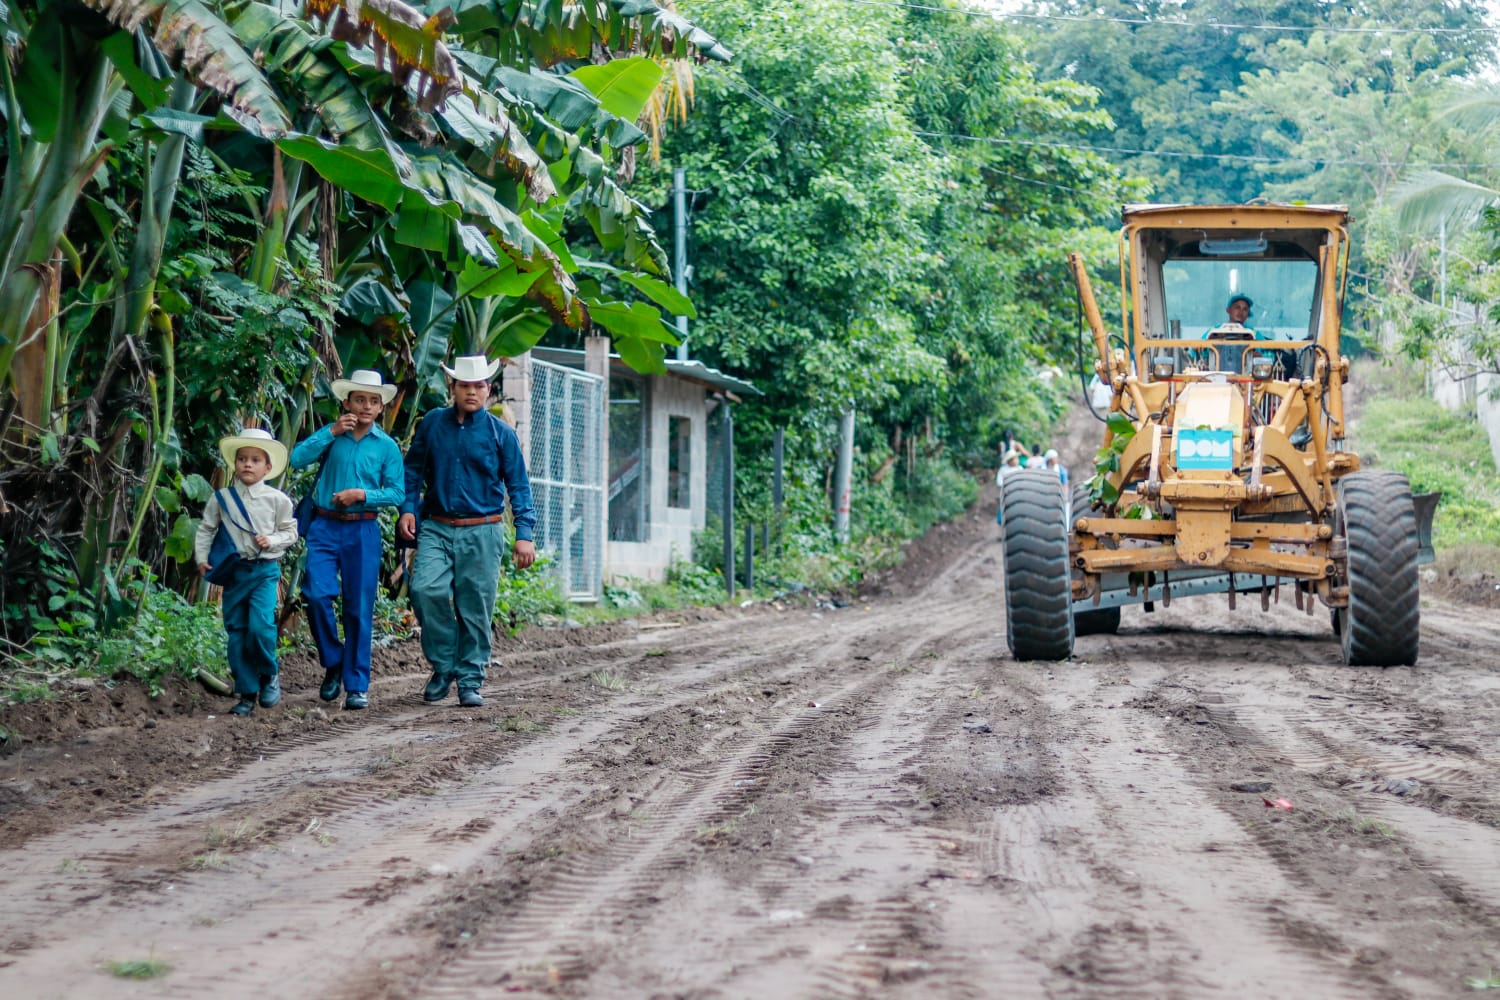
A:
<point x="371" y="463"/>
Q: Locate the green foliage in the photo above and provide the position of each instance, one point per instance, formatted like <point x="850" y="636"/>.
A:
<point x="691" y="583"/>
<point x="524" y="596"/>
<point x="1400" y="428"/>
<point x="1288" y="92"/>
<point x="138" y="968"/>
<point x="167" y="637"/>
<point x="1107" y="459"/>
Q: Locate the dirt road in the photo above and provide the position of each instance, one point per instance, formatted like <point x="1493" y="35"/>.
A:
<point x="840" y="802"/>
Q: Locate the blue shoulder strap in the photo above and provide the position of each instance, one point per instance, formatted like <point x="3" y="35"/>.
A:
<point x="219" y="494"/>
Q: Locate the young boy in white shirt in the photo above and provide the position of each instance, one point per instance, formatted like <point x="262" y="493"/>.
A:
<point x="249" y="602"/>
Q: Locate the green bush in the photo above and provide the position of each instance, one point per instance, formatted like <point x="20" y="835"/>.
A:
<point x="907" y="502"/>
<point x="1400" y="428"/>
<point x="169" y="636"/>
<point x="524" y="596"/>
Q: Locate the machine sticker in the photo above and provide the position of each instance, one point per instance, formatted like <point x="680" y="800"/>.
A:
<point x="1205" y="449"/>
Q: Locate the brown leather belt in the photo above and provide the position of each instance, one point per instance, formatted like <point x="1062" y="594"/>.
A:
<point x="464" y="522"/>
<point x="339" y="515"/>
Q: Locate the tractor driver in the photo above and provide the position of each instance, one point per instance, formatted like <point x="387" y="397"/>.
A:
<point x="1238" y="309"/>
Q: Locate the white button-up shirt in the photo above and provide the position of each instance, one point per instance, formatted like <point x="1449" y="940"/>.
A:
<point x="270" y="513"/>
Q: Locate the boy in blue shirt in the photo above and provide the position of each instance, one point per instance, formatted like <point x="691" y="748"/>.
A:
<point x="469" y="462"/>
<point x="361" y="473"/>
<point x="249" y="602"/>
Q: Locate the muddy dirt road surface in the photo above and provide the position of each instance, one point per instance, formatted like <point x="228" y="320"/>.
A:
<point x="873" y="800"/>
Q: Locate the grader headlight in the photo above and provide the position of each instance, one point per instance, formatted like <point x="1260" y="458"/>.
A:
<point x="1163" y="367"/>
<point x="1261" y="367"/>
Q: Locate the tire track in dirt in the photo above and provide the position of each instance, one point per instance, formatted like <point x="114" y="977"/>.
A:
<point x="1152" y="920"/>
<point x="1334" y="748"/>
<point x="873" y="927"/>
<point x="560" y="931"/>
<point x="1420" y="876"/>
<point x="355" y="813"/>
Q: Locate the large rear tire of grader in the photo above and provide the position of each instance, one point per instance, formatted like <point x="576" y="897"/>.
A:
<point x="1038" y="584"/>
<point x="1379" y="627"/>
<point x="1098" y="621"/>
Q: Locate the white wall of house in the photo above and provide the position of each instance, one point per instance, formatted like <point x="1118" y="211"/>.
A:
<point x="670" y="531"/>
<point x="1479" y="395"/>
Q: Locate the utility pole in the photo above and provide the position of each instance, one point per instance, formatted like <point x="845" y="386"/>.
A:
<point x="1443" y="264"/>
<point x="726" y="484"/>
<point x="842" y="474"/>
<point x="679" y="251"/>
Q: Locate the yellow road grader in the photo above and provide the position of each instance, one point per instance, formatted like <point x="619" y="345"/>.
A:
<point x="1225" y="466"/>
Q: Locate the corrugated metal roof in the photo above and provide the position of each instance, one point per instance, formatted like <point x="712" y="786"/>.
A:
<point x="695" y="371"/>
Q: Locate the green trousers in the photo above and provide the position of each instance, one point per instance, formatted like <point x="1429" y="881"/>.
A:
<point x="453" y="582"/>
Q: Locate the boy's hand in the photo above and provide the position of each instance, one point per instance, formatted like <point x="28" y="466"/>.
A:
<point x="346" y="422"/>
<point x="262" y="541"/>
<point x="525" y="553"/>
<point x="203" y="569"/>
<point x="344" y="498"/>
<point x="406" y="527"/>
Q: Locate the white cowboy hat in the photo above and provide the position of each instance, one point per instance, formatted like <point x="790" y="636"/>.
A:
<point x="254" y="437"/>
<point x="1051" y="453"/>
<point x="362" y="379"/>
<point x="472" y="368"/>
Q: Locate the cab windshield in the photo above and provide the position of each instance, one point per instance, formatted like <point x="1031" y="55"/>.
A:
<point x="1283" y="293"/>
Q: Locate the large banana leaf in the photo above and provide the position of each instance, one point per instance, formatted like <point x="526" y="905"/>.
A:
<point x="403" y="40"/>
<point x="210" y="53"/>
<point x="657" y="291"/>
<point x="432" y="321"/>
<point x="633" y="319"/>
<point x="483" y="124"/>
<point x="622" y="85"/>
<point x="548" y="32"/>
<point x="480" y="119"/>
<point x="301" y="59"/>
<point x="566" y="102"/>
<point x="674" y="34"/>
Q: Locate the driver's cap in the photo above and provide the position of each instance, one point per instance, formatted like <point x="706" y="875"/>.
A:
<point x="1239" y="297"/>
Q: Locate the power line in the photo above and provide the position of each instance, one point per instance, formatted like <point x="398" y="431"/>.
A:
<point x="1173" y="154"/>
<point x="1177" y="23"/>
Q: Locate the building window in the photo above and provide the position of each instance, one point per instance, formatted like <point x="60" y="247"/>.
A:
<point x="628" y="481"/>
<point x="679" y="462"/>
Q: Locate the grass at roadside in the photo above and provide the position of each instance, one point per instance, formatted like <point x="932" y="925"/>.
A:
<point x="1399" y="427"/>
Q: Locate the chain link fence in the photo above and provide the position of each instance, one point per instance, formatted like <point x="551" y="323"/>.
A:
<point x="566" y="467"/>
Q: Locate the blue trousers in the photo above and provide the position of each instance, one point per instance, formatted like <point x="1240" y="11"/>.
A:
<point x="343" y="558"/>
<point x="249" y="607"/>
<point x="453" y="581"/>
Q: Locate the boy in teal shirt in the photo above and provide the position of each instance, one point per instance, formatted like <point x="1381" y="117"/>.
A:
<point x="362" y="472"/>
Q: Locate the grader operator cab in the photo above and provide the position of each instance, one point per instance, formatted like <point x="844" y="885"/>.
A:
<point x="1224" y="467"/>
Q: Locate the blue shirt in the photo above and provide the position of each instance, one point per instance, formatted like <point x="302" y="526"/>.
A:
<point x="468" y="469"/>
<point x="371" y="463"/>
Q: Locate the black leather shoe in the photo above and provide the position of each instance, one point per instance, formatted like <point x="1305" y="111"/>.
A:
<point x="470" y="699"/>
<point x="356" y="700"/>
<point x="332" y="682"/>
<point x="270" y="692"/>
<point x="437" y="688"/>
<point x="244" y="706"/>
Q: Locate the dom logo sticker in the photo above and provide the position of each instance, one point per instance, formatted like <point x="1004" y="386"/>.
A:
<point x="1213" y="450"/>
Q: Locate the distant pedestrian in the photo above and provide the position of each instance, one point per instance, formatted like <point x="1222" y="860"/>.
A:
<point x="463" y="465"/>
<point x="1010" y="463"/>
<point x="1052" y="462"/>
<point x="361" y="473"/>
<point x="262" y="525"/>
<point x="1034" y="459"/>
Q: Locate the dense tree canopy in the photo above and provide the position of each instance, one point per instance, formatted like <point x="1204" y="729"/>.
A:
<point x="874" y="222"/>
<point x="1163" y="67"/>
<point x="211" y="209"/>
